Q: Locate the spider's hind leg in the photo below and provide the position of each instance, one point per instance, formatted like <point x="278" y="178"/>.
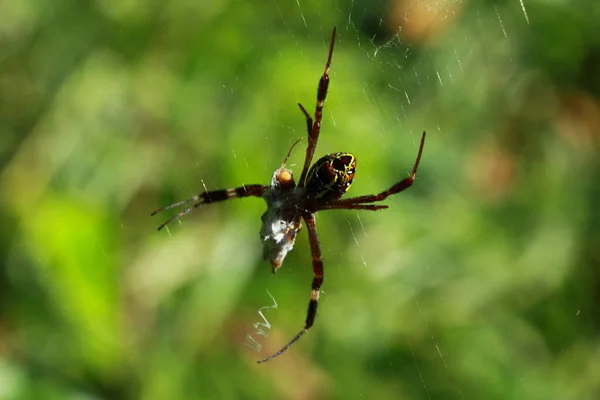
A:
<point x="315" y="248"/>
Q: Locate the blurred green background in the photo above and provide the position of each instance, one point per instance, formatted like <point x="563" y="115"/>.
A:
<point x="480" y="282"/>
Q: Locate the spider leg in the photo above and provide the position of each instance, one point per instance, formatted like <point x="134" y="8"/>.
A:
<point x="315" y="248"/>
<point x="368" y="207"/>
<point x="372" y="198"/>
<point x="315" y="128"/>
<point x="309" y="123"/>
<point x="213" y="196"/>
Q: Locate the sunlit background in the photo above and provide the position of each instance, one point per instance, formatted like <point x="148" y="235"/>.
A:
<point x="480" y="282"/>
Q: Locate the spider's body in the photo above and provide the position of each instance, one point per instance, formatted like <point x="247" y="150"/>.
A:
<point x="331" y="176"/>
<point x="289" y="203"/>
<point x="328" y="179"/>
<point x="282" y="220"/>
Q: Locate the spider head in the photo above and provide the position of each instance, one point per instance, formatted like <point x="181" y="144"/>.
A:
<point x="283" y="179"/>
<point x="331" y="176"/>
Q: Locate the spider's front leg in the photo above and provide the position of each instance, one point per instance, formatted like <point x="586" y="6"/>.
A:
<point x="361" y="202"/>
<point x="314" y="128"/>
<point x="317" y="262"/>
<point x="212" y="196"/>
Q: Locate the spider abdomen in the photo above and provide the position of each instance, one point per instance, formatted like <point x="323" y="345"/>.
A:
<point x="331" y="176"/>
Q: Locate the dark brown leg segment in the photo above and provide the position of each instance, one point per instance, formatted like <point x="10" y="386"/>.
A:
<point x="368" y="207"/>
<point x="315" y="128"/>
<point x="372" y="198"/>
<point x="212" y="197"/>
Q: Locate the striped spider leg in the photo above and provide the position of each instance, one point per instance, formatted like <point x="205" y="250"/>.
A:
<point x="215" y="196"/>
<point x="212" y="196"/>
<point x="314" y="128"/>
<point x="362" y="202"/>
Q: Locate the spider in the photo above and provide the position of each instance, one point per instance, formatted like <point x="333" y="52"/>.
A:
<point x="288" y="204"/>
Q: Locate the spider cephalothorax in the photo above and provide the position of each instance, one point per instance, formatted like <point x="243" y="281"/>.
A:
<point x="288" y="204"/>
<point x="328" y="179"/>
<point x="282" y="220"/>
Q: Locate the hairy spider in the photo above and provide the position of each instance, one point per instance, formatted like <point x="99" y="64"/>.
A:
<point x="319" y="188"/>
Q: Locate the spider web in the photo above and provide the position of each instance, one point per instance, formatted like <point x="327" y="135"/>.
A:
<point x="394" y="58"/>
<point x="477" y="282"/>
<point x="447" y="67"/>
<point x="426" y="59"/>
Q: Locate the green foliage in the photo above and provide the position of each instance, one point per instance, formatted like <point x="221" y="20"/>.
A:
<point x="481" y="281"/>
